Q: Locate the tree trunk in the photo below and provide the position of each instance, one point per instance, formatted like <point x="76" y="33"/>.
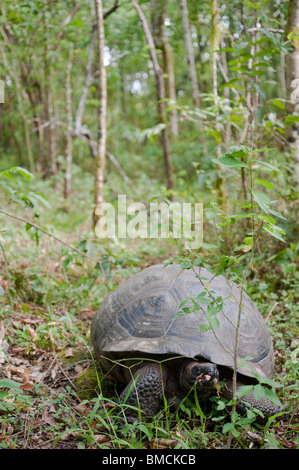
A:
<point x="69" y="137"/>
<point x="214" y="44"/>
<point x="53" y="132"/>
<point x="292" y="76"/>
<point x="169" y="69"/>
<point x="88" y="82"/>
<point x="226" y="93"/>
<point x="190" y="53"/>
<point x="100" y="158"/>
<point x="158" y="15"/>
<point x="160" y="93"/>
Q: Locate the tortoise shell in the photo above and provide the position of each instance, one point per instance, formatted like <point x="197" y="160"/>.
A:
<point x="142" y="318"/>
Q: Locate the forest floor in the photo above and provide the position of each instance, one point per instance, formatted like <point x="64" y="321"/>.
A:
<point x="48" y="386"/>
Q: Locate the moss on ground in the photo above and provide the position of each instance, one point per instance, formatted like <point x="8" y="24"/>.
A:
<point x="90" y="383"/>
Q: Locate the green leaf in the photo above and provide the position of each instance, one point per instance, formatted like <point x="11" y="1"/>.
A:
<point x="41" y="198"/>
<point x="213" y="309"/>
<point x="228" y="427"/>
<point x="186" y="265"/>
<point x="234" y="417"/>
<point x="202" y="299"/>
<point x="203" y="328"/>
<point x="229" y="162"/>
<point x="255" y="6"/>
<point x="278" y="103"/>
<point x="235" y="432"/>
<point x="144" y="429"/>
<point x="106" y="266"/>
<point x="244" y="390"/>
<point x="67" y="260"/>
<point x="291" y="119"/>
<point x="228" y="221"/>
<point x="266" y="218"/>
<point x="277" y="214"/>
<point x="241" y="45"/>
<point x="262" y="199"/>
<point x="214" y="322"/>
<point x="198" y="407"/>
<point x="272" y="396"/>
<point x="8" y="383"/>
<point x="17" y="170"/>
<point x="238" y="151"/>
<point x="265" y="183"/>
<point x="272" y="167"/>
<point x="258" y="391"/>
<point x="275" y="231"/>
<point x="221" y="405"/>
<point x="248" y="240"/>
<point x="293" y="35"/>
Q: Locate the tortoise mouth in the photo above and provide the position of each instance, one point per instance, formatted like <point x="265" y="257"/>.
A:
<point x="207" y="380"/>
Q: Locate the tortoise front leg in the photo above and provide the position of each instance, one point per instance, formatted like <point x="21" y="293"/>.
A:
<point x="146" y="395"/>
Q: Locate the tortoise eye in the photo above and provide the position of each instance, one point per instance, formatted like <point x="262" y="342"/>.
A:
<point x="196" y="371"/>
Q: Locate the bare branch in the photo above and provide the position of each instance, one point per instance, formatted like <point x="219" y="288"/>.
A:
<point x="112" y="9"/>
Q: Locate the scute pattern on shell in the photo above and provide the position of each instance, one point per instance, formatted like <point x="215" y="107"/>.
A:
<point x="141" y="315"/>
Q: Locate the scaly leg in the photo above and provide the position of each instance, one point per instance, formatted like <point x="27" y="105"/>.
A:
<point x="146" y="394"/>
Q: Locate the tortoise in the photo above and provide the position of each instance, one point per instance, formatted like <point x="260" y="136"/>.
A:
<point x="142" y="333"/>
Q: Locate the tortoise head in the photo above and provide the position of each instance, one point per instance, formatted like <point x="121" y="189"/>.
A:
<point x="204" y="374"/>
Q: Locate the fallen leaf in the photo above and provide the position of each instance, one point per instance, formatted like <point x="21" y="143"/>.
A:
<point x="32" y="332"/>
<point x="252" y="267"/>
<point x="82" y="409"/>
<point x="69" y="352"/>
<point x="48" y="419"/>
<point x="78" y="370"/>
<point x="26" y="386"/>
<point x="101" y="438"/>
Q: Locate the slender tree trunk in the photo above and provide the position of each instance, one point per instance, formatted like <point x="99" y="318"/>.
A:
<point x="123" y="99"/>
<point x="214" y="56"/>
<point x="214" y="44"/>
<point x="69" y="137"/>
<point x="190" y="53"/>
<point x="53" y="133"/>
<point x="226" y="93"/>
<point x="158" y="15"/>
<point x="160" y="93"/>
<point x="50" y="101"/>
<point x="88" y="82"/>
<point x="100" y="158"/>
<point x="292" y="78"/>
<point x="169" y="68"/>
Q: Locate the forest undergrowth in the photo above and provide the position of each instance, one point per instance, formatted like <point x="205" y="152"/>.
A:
<point x="52" y="392"/>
